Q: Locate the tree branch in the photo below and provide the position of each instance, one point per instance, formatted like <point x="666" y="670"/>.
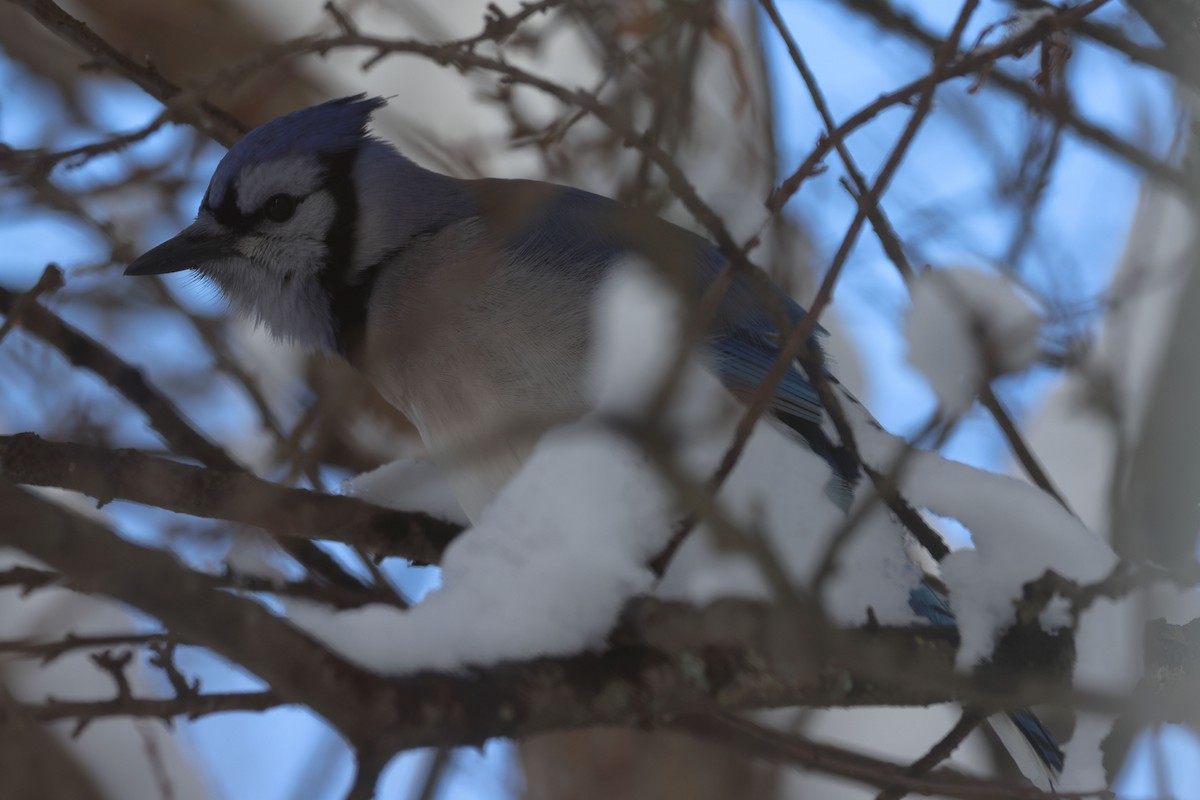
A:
<point x="887" y="17"/>
<point x="663" y="658"/>
<point x="84" y="351"/>
<point x="95" y="561"/>
<point x="215" y="122"/>
<point x="776" y="746"/>
<point x="217" y="494"/>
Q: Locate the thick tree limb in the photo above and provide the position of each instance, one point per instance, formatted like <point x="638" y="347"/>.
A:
<point x="218" y="494"/>
<point x="664" y="659"/>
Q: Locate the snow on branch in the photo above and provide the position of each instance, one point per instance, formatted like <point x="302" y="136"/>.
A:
<point x="965" y="328"/>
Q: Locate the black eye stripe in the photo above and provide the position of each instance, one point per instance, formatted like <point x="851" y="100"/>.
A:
<point x="227" y="213"/>
<point x="279" y="207"/>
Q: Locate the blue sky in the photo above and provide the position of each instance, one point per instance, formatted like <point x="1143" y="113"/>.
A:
<point x="289" y="753"/>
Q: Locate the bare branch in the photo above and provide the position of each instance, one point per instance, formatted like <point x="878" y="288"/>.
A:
<point x="194" y="706"/>
<point x="941" y="750"/>
<point x="47" y="652"/>
<point x="28" y="579"/>
<point x="887" y="16"/>
<point x="219" y="494"/>
<point x="84" y="351"/>
<point x="776" y="746"/>
<point x="218" y="124"/>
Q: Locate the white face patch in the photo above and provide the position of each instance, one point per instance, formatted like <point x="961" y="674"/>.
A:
<point x="293" y="309"/>
<point x="296" y="246"/>
<point x="297" y="176"/>
<point x="273" y="273"/>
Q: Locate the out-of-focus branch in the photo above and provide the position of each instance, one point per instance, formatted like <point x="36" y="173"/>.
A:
<point x="41" y="162"/>
<point x="795" y="345"/>
<point x="215" y="122"/>
<point x="942" y="749"/>
<point x="890" y="241"/>
<point x="754" y="655"/>
<point x="50" y="651"/>
<point x="84" y="351"/>
<point x="191" y="706"/>
<point x="236" y="496"/>
<point x="1113" y="37"/>
<point x="892" y="247"/>
<point x="498" y="26"/>
<point x="94" y="560"/>
<point x="1021" y="450"/>
<point x="979" y="59"/>
<point x="664" y="659"/>
<point x="776" y="746"/>
<point x="27" y="579"/>
<point x="1177" y="22"/>
<point x="33" y="761"/>
<point x="50" y="282"/>
<point x="31" y="579"/>
<point x="888" y="17"/>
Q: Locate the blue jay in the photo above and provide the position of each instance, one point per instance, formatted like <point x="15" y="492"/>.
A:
<point x="466" y="302"/>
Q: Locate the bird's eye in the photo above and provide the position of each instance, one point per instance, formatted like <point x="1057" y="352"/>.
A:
<point x="279" y="207"/>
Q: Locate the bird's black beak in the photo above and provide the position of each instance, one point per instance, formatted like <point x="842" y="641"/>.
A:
<point x="188" y="250"/>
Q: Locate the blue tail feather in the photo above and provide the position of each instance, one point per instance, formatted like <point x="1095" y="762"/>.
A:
<point x="930" y="605"/>
<point x="1042" y="740"/>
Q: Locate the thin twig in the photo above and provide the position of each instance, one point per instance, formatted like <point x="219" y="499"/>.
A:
<point x="763" y="742"/>
<point x="939" y="752"/>
<point x="41" y="163"/>
<point x="47" y="652"/>
<point x="50" y="282"/>
<point x="886" y="15"/>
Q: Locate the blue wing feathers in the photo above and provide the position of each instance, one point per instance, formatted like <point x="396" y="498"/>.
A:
<point x="930" y="605"/>
<point x="743" y="341"/>
<point x="742" y="361"/>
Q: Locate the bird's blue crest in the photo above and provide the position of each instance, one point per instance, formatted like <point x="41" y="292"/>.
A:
<point x="334" y="126"/>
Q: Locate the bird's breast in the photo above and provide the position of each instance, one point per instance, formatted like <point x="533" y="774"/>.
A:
<point x="481" y="356"/>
